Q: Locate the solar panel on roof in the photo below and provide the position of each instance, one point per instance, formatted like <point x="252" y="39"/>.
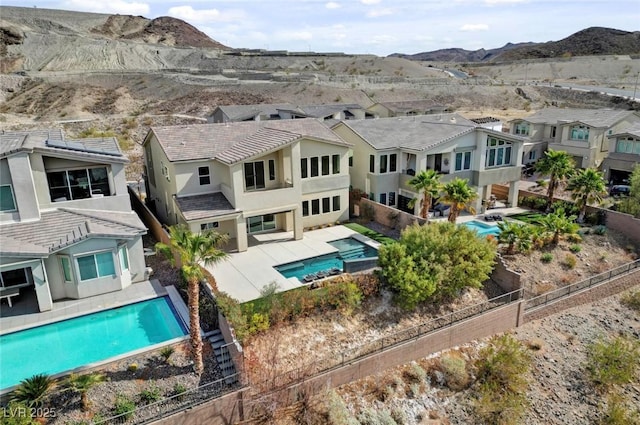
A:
<point x="79" y="147"/>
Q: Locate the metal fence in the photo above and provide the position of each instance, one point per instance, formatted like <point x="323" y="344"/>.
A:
<point x="552" y="296"/>
<point x="340" y="359"/>
<point x="160" y="409"/>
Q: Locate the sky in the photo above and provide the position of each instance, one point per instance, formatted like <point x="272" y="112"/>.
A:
<point x="379" y="27"/>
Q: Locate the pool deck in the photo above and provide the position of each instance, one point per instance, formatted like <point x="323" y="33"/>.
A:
<point x="244" y="274"/>
<point x="21" y="315"/>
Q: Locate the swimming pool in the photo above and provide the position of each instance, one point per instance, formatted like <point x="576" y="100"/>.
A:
<point x="348" y="248"/>
<point x="68" y="344"/>
<point x="482" y="229"/>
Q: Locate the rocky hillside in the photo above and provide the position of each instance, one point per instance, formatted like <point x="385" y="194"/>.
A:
<point x="588" y="42"/>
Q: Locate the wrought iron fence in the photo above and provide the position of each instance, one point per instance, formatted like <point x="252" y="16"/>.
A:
<point x="549" y="297"/>
<point x="337" y="360"/>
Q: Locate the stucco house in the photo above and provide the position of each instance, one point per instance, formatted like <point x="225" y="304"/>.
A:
<point x="283" y="111"/>
<point x="247" y="178"/>
<point x="624" y="154"/>
<point x="66" y="225"/>
<point x="388" y="152"/>
<point x="406" y="108"/>
<point x="583" y="133"/>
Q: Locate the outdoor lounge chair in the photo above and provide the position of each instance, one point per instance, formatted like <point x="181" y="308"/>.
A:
<point x="322" y="273"/>
<point x="310" y="277"/>
<point x="334" y="271"/>
<point x="497" y="217"/>
<point x="488" y="218"/>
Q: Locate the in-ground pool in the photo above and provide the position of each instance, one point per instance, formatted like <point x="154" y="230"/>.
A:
<point x="68" y="344"/>
<point x="348" y="249"/>
<point x="481" y="228"/>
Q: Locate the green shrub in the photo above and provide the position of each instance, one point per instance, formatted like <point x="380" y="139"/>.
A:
<point x="345" y="297"/>
<point x="166" y="352"/>
<point x="547" y="257"/>
<point x="132" y="367"/>
<point x="613" y="362"/>
<point x="337" y="412"/>
<point x="151" y="394"/>
<point x="575" y="248"/>
<point x="179" y="390"/>
<point x="414" y="374"/>
<point x="373" y="416"/>
<point x="124" y="406"/>
<point x="600" y="230"/>
<point x="17" y="413"/>
<point x="631" y="300"/>
<point x="570" y="261"/>
<point x="33" y="391"/>
<point x="454" y="369"/>
<point x="618" y="413"/>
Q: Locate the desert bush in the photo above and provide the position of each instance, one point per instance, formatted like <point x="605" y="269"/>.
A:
<point x="570" y="261"/>
<point x="618" y="412"/>
<point x="17" y="413"/>
<point x="414" y="374"/>
<point x="337" y="412"/>
<point x="151" y="394"/>
<point x="35" y="390"/>
<point x="600" y="230"/>
<point x="166" y="352"/>
<point x="376" y="417"/>
<point x="369" y="284"/>
<point x="179" y="390"/>
<point x="502" y="369"/>
<point x="345" y="297"/>
<point x="612" y="362"/>
<point x="454" y="369"/>
<point x="124" y="406"/>
<point x="631" y="300"/>
<point x="547" y="257"/>
<point x="575" y="248"/>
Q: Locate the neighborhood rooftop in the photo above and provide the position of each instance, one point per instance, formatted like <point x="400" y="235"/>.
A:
<point x="233" y="142"/>
<point x="591" y="117"/>
<point x="209" y="205"/>
<point x="634" y="130"/>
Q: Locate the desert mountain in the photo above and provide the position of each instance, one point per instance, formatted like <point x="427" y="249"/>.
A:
<point x="588" y="42"/>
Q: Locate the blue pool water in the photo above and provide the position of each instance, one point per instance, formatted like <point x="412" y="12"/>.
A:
<point x="348" y="248"/>
<point x="482" y="229"/>
<point x="76" y="342"/>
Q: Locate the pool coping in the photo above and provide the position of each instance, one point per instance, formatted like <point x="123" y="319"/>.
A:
<point x="178" y="305"/>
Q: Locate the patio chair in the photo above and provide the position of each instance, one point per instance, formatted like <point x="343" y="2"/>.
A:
<point x="334" y="271"/>
<point x="488" y="218"/>
<point x="310" y="277"/>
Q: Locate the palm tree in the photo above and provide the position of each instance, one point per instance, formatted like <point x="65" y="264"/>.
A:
<point x="82" y="384"/>
<point x="515" y="236"/>
<point x="459" y="195"/>
<point x="558" y="165"/>
<point x="558" y="224"/>
<point x="427" y="182"/>
<point x="34" y="391"/>
<point x="586" y="187"/>
<point x="193" y="249"/>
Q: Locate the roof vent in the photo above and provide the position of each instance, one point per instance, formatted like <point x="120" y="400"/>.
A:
<point x="452" y="119"/>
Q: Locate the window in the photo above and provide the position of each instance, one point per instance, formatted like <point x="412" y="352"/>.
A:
<point x="208" y="226"/>
<point x="392" y="198"/>
<point x="149" y="156"/>
<point x="315" y="206"/>
<point x="305" y="208"/>
<point x="261" y="223"/>
<point x="314" y="166"/>
<point x="498" y="153"/>
<point x="628" y="145"/>
<point x="203" y="173"/>
<point x="383" y="198"/>
<point x="350" y="161"/>
<point x="124" y="257"/>
<point x="78" y="184"/>
<point x="325" y="165"/>
<point x="383" y="163"/>
<point x="463" y="161"/>
<point x="372" y="163"/>
<point x="336" y="203"/>
<point x="552" y="132"/>
<point x="372" y="196"/>
<point x="272" y="170"/>
<point x="326" y="205"/>
<point x="254" y="175"/>
<point x="65" y="265"/>
<point x="16" y="277"/>
<point x="579" y="132"/>
<point x="532" y="155"/>
<point x="96" y="265"/>
<point x="393" y="163"/>
<point x="7" y="201"/>
<point x="303" y="168"/>
<point x="335" y="159"/>
<point x="522" y="128"/>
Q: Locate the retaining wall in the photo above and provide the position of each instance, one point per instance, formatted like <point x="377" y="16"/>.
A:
<point x="389" y="216"/>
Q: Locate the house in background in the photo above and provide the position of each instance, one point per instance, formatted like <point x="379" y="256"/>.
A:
<point x="406" y="108"/>
<point x="248" y="178"/>
<point x="583" y="133"/>
<point x="624" y="155"/>
<point x="66" y="225"/>
<point x="388" y="152"/>
<point x="263" y="112"/>
<point x="488" y="122"/>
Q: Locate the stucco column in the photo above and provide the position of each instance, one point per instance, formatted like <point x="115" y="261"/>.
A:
<point x="241" y="234"/>
<point x="477" y="204"/>
<point x="23" y="187"/>
<point x="41" y="283"/>
<point x="514" y="190"/>
<point x="297" y="224"/>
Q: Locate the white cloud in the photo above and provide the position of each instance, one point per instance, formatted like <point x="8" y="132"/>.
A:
<point x="112" y="6"/>
<point x="474" y="27"/>
<point x="332" y="5"/>
<point x="294" y="35"/>
<point x="376" y="13"/>
<point x="370" y="1"/>
<point x="205" y="16"/>
<point x="494" y="2"/>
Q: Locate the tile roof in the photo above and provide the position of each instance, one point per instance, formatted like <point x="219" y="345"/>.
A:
<point x="233" y="142"/>
<point x="54" y="141"/>
<point x="60" y="228"/>
<point x="591" y="117"/>
<point x="209" y="205"/>
<point x="420" y="132"/>
<point x="238" y="112"/>
<point x="634" y="130"/>
<point x="409" y="105"/>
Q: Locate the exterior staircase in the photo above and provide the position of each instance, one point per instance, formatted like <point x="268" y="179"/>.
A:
<point x="223" y="357"/>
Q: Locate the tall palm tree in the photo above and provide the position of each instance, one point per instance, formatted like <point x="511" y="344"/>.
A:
<point x="587" y="186"/>
<point x="459" y="195"/>
<point x="517" y="236"/>
<point x="193" y="250"/>
<point x="428" y="183"/>
<point x="558" y="165"/>
<point x="558" y="224"/>
<point x="33" y="391"/>
<point x="82" y="384"/>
